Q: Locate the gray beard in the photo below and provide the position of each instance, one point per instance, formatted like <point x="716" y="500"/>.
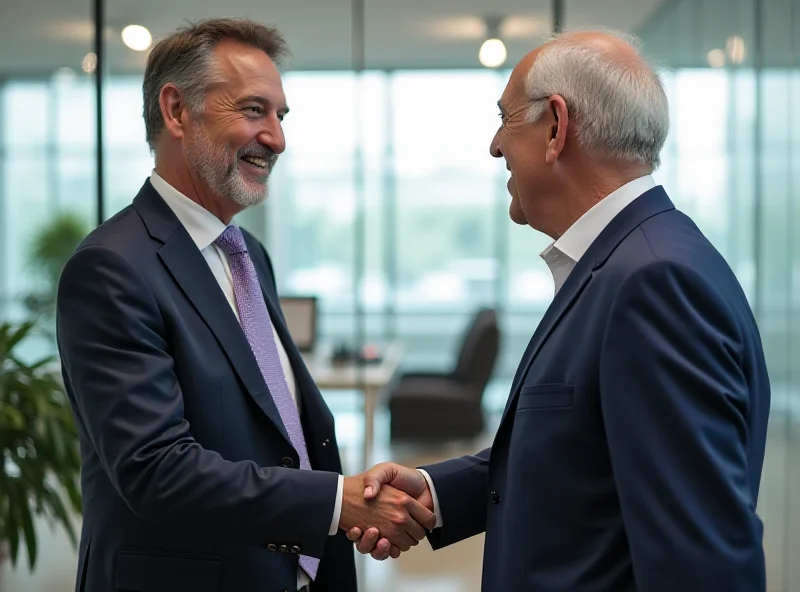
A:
<point x="220" y="171"/>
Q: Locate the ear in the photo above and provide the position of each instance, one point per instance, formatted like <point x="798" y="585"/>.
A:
<point x="558" y="119"/>
<point x="173" y="110"/>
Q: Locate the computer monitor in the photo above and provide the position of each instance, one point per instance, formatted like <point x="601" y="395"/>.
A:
<point x="301" y="318"/>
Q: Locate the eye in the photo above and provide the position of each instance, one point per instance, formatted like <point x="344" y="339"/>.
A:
<point x="254" y="109"/>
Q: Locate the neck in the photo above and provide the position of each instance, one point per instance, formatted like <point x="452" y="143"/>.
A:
<point x="584" y="191"/>
<point x="177" y="173"/>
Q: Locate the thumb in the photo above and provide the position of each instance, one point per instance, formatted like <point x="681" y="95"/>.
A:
<point x="377" y="476"/>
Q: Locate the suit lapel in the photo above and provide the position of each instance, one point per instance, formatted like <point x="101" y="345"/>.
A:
<point x="191" y="272"/>
<point x="572" y="288"/>
<point x="647" y="205"/>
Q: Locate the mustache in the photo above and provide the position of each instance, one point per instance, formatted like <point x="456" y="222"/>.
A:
<point x="258" y="151"/>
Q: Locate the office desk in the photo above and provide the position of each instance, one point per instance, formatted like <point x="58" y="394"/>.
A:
<point x="370" y="379"/>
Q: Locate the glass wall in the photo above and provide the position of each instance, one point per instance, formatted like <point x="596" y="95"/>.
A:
<point x="47" y="195"/>
<point x="47" y="151"/>
<point x="387" y="205"/>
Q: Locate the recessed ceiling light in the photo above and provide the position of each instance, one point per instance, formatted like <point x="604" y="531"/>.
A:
<point x="137" y="37"/>
<point x="493" y="53"/>
<point x="89" y="63"/>
<point x="736" y="49"/>
<point x="716" y="58"/>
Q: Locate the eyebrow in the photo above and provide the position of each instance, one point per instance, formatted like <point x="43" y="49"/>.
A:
<point x="261" y="101"/>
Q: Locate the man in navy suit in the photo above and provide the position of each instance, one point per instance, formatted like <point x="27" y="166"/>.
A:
<point x="630" y="451"/>
<point x="209" y="456"/>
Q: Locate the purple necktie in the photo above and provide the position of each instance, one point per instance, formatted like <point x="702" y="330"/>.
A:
<point x="257" y="326"/>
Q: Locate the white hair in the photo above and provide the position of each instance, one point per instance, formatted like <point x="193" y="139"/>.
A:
<point x="619" y="107"/>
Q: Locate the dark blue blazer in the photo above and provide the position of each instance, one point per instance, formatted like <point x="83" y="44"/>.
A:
<point x="189" y="479"/>
<point x="629" y="455"/>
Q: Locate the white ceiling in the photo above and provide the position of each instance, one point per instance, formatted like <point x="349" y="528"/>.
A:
<point x="39" y="36"/>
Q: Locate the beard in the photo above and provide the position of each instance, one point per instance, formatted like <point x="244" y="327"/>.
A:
<point x="219" y="168"/>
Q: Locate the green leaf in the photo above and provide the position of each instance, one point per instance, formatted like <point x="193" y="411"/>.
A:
<point x="61" y="513"/>
<point x="17" y="335"/>
<point x="40" y="459"/>
<point x="73" y="493"/>
<point x="30" y="532"/>
<point x="12" y="528"/>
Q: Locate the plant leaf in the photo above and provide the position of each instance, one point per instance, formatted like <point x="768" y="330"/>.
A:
<point x="30" y="532"/>
<point x="12" y="528"/>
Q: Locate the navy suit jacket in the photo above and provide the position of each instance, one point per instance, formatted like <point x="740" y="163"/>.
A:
<point x="189" y="479"/>
<point x="629" y="454"/>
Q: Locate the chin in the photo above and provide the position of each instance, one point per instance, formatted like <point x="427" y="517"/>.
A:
<point x="516" y="214"/>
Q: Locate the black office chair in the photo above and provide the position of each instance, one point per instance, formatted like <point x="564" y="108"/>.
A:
<point x="448" y="406"/>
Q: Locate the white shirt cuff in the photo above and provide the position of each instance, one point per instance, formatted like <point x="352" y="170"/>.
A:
<point x="434" y="496"/>
<point x="337" y="509"/>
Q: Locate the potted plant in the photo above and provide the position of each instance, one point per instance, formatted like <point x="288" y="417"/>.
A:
<point x="50" y="250"/>
<point x="39" y="447"/>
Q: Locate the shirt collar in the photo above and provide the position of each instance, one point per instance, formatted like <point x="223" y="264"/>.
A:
<point x="579" y="237"/>
<point x="203" y="226"/>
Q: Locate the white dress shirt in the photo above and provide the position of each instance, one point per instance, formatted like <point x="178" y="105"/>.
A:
<point x="562" y="256"/>
<point x="204" y="228"/>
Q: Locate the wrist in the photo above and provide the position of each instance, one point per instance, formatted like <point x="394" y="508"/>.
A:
<point x="352" y="498"/>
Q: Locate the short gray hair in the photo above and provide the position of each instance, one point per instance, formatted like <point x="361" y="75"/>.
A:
<point x="186" y="59"/>
<point x="620" y="109"/>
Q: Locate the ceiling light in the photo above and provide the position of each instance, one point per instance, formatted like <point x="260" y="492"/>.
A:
<point x="89" y="63"/>
<point x="460" y="27"/>
<point x="493" y="53"/>
<point x="716" y="58"/>
<point x="137" y="37"/>
<point x="736" y="49"/>
<point x="524" y="27"/>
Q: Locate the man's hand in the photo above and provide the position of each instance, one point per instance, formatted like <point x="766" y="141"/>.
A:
<point x="397" y="476"/>
<point x="398" y="516"/>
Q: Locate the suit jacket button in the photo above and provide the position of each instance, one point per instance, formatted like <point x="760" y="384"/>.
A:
<point x="495" y="497"/>
<point x="326" y="443"/>
<point x="272" y="547"/>
<point x="284" y="549"/>
<point x="287" y="462"/>
<point x="296" y="549"/>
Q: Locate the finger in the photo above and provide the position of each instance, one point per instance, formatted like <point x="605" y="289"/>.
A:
<point x="423" y="516"/>
<point x="354" y="534"/>
<point x="369" y="541"/>
<point x="394" y="552"/>
<point x="411" y="524"/>
<point x="377" y="476"/>
<point x="383" y="550"/>
<point x="403" y="540"/>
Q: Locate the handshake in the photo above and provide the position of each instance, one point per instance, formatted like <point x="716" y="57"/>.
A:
<point x="387" y="510"/>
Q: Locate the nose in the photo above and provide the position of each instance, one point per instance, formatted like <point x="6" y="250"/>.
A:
<point x="494" y="147"/>
<point x="272" y="135"/>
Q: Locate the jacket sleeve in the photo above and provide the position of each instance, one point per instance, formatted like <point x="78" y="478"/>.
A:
<point x="462" y="486"/>
<point x="675" y="405"/>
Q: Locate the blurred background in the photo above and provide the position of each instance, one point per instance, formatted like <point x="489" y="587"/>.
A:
<point x="388" y="210"/>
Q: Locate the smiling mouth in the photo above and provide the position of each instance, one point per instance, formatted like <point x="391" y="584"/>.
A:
<point x="255" y="161"/>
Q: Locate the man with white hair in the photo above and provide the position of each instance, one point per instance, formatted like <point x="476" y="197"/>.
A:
<point x="630" y="451"/>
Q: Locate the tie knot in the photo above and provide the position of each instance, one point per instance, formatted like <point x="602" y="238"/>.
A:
<point x="231" y="241"/>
